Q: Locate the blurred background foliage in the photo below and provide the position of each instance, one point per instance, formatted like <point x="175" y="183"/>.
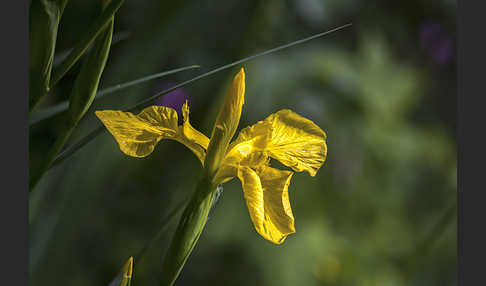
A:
<point x="382" y="209"/>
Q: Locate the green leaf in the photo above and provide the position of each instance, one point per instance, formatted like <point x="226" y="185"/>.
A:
<point x="63" y="106"/>
<point x="87" y="81"/>
<point x="144" y="103"/>
<point x="94" y="30"/>
<point x="44" y="17"/>
<point x="163" y="228"/>
<point x="124" y="278"/>
<point x="61" y="56"/>
<point x="82" y="95"/>
<point x="148" y="101"/>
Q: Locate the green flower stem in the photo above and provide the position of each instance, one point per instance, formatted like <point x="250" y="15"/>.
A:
<point x="188" y="231"/>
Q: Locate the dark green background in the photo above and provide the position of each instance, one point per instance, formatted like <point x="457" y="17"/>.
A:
<point x="381" y="210"/>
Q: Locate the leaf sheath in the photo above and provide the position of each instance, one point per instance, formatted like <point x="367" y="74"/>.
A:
<point x="188" y="231"/>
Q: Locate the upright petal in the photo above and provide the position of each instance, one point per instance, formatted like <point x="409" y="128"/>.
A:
<point x="296" y="141"/>
<point x="190" y="132"/>
<point x="191" y="137"/>
<point x="267" y="201"/>
<point x="226" y="123"/>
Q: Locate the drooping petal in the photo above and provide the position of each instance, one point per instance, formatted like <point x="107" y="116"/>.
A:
<point x="267" y="201"/>
<point x="226" y="122"/>
<point x="275" y="185"/>
<point x="296" y="141"/>
<point x="137" y="135"/>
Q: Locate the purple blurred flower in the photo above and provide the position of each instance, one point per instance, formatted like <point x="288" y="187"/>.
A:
<point x="174" y="99"/>
<point x="437" y="42"/>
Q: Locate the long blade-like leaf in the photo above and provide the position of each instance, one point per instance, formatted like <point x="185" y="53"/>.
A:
<point x="88" y="79"/>
<point x="44" y="17"/>
<point x="81" y="97"/>
<point x="61" y="56"/>
<point x="100" y="129"/>
<point x="63" y="106"/>
<point x="149" y="100"/>
<point x="151" y="250"/>
<point x="163" y="227"/>
<point x="94" y="30"/>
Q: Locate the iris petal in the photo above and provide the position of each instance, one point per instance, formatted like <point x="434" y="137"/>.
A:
<point x="296" y="142"/>
<point x="247" y="150"/>
<point x="137" y="135"/>
<point x="268" y="202"/>
<point x="226" y="123"/>
<point x="191" y="137"/>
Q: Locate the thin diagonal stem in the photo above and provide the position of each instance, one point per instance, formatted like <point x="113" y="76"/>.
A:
<point x="70" y="150"/>
<point x="154" y="97"/>
<point x="63" y="106"/>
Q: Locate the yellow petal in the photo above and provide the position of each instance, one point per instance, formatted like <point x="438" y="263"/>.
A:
<point x="226" y="122"/>
<point x="192" y="138"/>
<point x="137" y="135"/>
<point x="296" y="141"/>
<point x="268" y="202"/>
<point x="247" y="150"/>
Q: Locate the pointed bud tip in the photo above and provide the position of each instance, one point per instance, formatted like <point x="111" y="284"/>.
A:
<point x="128" y="268"/>
<point x="241" y="74"/>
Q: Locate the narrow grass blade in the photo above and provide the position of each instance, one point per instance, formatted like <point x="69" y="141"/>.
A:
<point x="100" y="129"/>
<point x="124" y="278"/>
<point x="149" y="100"/>
<point x="424" y="246"/>
<point x="94" y="30"/>
<point x="44" y="17"/>
<point x="81" y="97"/>
<point x="117" y="37"/>
<point x="163" y="227"/>
<point x="88" y="79"/>
<point x="78" y="145"/>
<point x="63" y="106"/>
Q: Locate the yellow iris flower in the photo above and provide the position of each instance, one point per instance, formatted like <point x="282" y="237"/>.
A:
<point x="293" y="140"/>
